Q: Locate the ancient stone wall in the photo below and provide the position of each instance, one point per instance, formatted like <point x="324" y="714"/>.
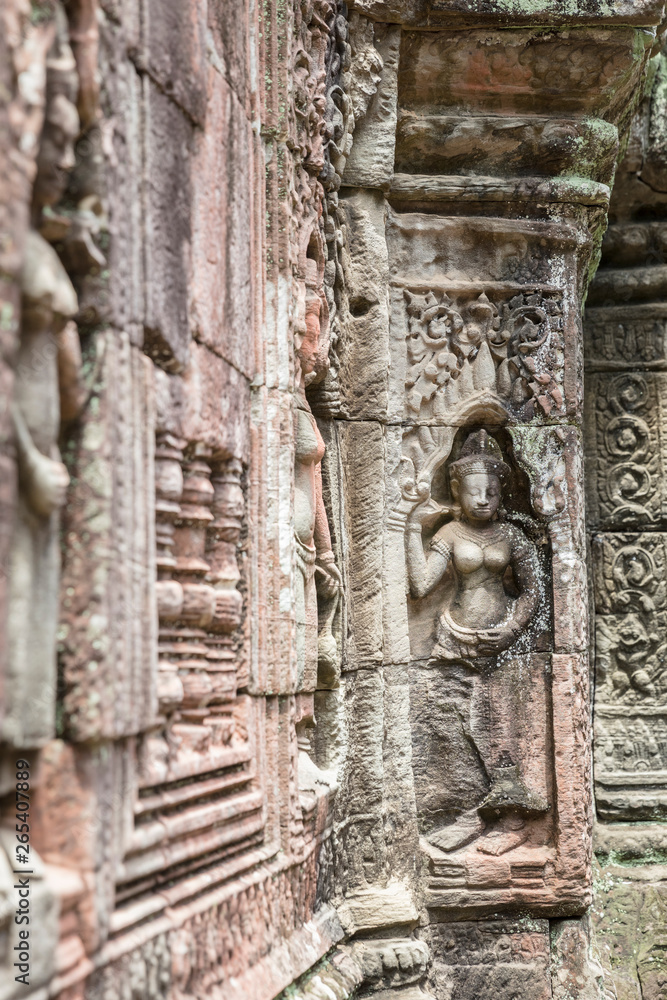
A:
<point x="331" y="593"/>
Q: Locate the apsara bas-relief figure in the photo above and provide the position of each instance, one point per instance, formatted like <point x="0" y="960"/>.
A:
<point x="46" y="391"/>
<point x="493" y="593"/>
<point x="317" y="570"/>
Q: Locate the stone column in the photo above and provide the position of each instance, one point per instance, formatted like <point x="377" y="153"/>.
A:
<point x="472" y="207"/>
<point x="626" y="394"/>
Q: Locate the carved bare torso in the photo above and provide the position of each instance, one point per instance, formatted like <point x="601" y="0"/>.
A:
<point x="495" y="596"/>
<point x="480" y="558"/>
<point x="482" y="618"/>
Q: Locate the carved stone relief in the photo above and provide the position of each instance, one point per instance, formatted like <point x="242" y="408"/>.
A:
<point x="626" y="334"/>
<point x="46" y="391"/>
<point x="626" y="450"/>
<point x="196" y="791"/>
<point x="398" y="333"/>
<point x="493" y="598"/>
<point x="354" y="69"/>
<point x="624" y="325"/>
<point x="315" y="557"/>
<point x="631" y="691"/>
<point x="487" y="958"/>
<point x="487" y="521"/>
<point x="462" y="346"/>
<point x="626" y="494"/>
<point x="46" y="398"/>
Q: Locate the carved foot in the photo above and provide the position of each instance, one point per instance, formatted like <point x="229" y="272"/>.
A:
<point x="466" y="828"/>
<point x="501" y="841"/>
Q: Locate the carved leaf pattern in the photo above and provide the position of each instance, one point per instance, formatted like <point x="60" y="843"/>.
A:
<point x="474" y="342"/>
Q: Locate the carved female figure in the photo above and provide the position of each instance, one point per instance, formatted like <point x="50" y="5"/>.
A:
<point x="311" y="528"/>
<point x="480" y="619"/>
<point x="46" y="390"/>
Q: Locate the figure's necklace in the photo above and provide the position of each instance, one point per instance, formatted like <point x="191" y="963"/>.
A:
<point x="482" y="537"/>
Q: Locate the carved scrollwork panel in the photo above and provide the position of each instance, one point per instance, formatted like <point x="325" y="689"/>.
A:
<point x="630" y="573"/>
<point x="625" y="445"/>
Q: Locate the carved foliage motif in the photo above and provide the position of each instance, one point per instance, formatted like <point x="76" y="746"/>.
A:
<point x="465" y="343"/>
<point x="627" y="444"/>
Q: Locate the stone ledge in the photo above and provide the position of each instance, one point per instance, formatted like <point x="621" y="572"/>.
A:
<point x="511" y="13"/>
<point x="440" y="187"/>
<point x="377" y="907"/>
<point x="295" y="956"/>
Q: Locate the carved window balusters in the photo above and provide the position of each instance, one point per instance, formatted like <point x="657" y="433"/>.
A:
<point x="168" y="494"/>
<point x="197" y="798"/>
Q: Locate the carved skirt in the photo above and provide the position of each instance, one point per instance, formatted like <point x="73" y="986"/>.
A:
<point x="34" y="576"/>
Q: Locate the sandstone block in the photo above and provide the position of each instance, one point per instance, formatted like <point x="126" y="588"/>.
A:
<point x="364" y="344"/>
<point x="122" y="98"/>
<point x="376" y="908"/>
<point x="491" y="959"/>
<point x="107" y="635"/>
<point x="224" y="258"/>
<point x="174" y="50"/>
<point x="435" y="64"/>
<point x="167" y="229"/>
<point x="371" y="160"/>
<point x="230" y="25"/>
<point x="362" y="457"/>
<point x="216" y="404"/>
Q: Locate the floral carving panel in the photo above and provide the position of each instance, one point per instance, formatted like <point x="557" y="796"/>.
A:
<point x="500" y="341"/>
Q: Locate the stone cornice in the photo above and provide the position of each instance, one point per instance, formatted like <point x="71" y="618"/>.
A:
<point x="513" y="13"/>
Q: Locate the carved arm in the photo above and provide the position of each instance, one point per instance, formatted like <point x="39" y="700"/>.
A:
<point x="330" y="577"/>
<point x="424" y="572"/>
<point x="72" y="390"/>
<point x="527" y="575"/>
<point x="43" y="480"/>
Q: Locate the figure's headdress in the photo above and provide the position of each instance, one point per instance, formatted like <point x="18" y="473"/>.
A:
<point x="61" y="74"/>
<point x="480" y="453"/>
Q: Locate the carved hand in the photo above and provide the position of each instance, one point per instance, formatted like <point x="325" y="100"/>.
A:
<point x="330" y="580"/>
<point x="495" y="640"/>
<point x="425" y="513"/>
<point x="46" y="483"/>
